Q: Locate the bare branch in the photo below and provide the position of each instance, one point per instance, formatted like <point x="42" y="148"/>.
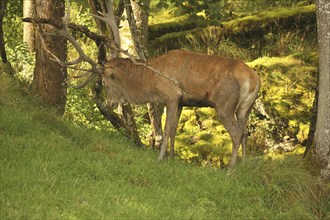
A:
<point x="76" y="27"/>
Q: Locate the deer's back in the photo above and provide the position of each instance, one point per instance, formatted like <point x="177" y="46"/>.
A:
<point x="202" y="76"/>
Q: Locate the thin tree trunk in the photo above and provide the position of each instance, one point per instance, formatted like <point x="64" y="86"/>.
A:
<point x="312" y="128"/>
<point x="140" y="50"/>
<point x="322" y="137"/>
<point x="28" y="29"/>
<point x="155" y="112"/>
<point x="49" y="76"/>
<point x="141" y="14"/>
<point x="3" y="54"/>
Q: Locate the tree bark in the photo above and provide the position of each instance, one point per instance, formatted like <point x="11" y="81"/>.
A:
<point x="155" y="112"/>
<point x="3" y="54"/>
<point x="28" y="29"/>
<point x="308" y="143"/>
<point x="49" y="76"/>
<point x="136" y="21"/>
<point x="322" y="137"/>
<point x="141" y="13"/>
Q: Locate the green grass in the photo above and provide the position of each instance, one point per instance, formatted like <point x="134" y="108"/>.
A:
<point x="50" y="169"/>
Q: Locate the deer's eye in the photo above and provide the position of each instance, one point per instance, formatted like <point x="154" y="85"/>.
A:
<point x="112" y="76"/>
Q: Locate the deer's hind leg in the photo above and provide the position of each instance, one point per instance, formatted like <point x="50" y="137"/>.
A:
<point x="242" y="115"/>
<point x="242" y="118"/>
<point x="231" y="125"/>
<point x="227" y="116"/>
<point x="173" y="131"/>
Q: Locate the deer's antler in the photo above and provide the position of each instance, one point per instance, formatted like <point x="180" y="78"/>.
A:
<point x="61" y="29"/>
<point x="109" y="18"/>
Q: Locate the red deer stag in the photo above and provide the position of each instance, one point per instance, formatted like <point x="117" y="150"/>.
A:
<point x="176" y="79"/>
<point x="228" y="85"/>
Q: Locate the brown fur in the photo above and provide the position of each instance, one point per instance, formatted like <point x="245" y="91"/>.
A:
<point x="227" y="85"/>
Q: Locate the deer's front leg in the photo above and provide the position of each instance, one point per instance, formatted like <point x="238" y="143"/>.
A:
<point x="171" y="114"/>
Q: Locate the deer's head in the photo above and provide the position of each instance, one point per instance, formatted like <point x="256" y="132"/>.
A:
<point x="112" y="81"/>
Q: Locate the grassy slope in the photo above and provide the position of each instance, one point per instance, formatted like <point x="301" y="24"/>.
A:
<point x="51" y="169"/>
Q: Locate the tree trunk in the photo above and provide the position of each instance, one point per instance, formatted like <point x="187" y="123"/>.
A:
<point x="155" y="114"/>
<point x="28" y="29"/>
<point x="308" y="143"/>
<point x="49" y="76"/>
<point x="136" y="18"/>
<point x="141" y="14"/>
<point x="322" y="137"/>
<point x="3" y="54"/>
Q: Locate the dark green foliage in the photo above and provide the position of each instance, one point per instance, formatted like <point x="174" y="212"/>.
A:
<point x="213" y="9"/>
<point x="220" y="9"/>
<point x="18" y="54"/>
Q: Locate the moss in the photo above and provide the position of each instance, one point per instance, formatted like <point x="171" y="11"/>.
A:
<point x="179" y="24"/>
<point x="263" y="19"/>
<point x="174" y="22"/>
<point x="274" y="62"/>
<point x="288" y="85"/>
<point x="250" y="26"/>
<point x="208" y="145"/>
